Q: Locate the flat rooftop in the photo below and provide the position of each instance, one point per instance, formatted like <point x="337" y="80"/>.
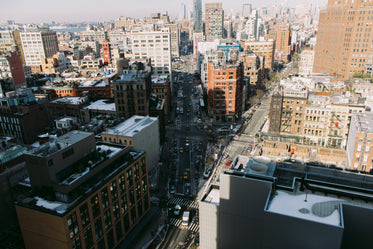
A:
<point x="159" y="79"/>
<point x="313" y="205"/>
<point x="258" y="165"/>
<point x="213" y="196"/>
<point x="364" y="122"/>
<point x="70" y="100"/>
<point x="59" y="143"/>
<point x="102" y="104"/>
<point x="131" y="126"/>
<point x="131" y="76"/>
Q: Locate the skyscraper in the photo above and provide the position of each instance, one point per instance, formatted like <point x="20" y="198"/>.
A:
<point x="344" y="38"/>
<point x="197" y="15"/>
<point x="214" y="18"/>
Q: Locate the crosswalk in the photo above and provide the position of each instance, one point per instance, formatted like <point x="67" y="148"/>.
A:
<point x="194" y="227"/>
<point x="184" y="203"/>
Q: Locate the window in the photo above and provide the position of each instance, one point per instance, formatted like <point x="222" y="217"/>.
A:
<point x="116" y="211"/>
<point x="76" y="243"/>
<point x="358" y="147"/>
<point x="107" y="220"/>
<point x="110" y="239"/>
<point x="73" y="225"/>
<point x="118" y="230"/>
<point x="114" y="191"/>
<point x="104" y="198"/>
<point x="88" y="238"/>
<point x="122" y="184"/>
<point x="98" y="229"/>
<point x="84" y="215"/>
<point x="95" y="206"/>
<point x="123" y="202"/>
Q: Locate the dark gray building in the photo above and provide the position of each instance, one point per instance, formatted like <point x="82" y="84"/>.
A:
<point x="260" y="204"/>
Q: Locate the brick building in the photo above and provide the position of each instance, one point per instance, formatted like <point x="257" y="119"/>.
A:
<point x="68" y="106"/>
<point x="225" y="90"/>
<point x="131" y="93"/>
<point x="83" y="194"/>
<point x="264" y="49"/>
<point x="22" y="117"/>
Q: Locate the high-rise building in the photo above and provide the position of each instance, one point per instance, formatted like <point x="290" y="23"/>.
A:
<point x="183" y="11"/>
<point x="84" y="194"/>
<point x="225" y="88"/>
<point x="260" y="204"/>
<point x="264" y="49"/>
<point x="214" y="21"/>
<point x="175" y="38"/>
<point x="344" y="38"/>
<point x="38" y="43"/>
<point x="155" y="45"/>
<point x="246" y="9"/>
<point x="282" y="37"/>
<point x="197" y="14"/>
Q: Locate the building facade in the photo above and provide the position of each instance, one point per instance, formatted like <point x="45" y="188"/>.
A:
<point x="84" y="207"/>
<point x="343" y="38"/>
<point x="38" y="43"/>
<point x="225" y="90"/>
<point x="214" y="21"/>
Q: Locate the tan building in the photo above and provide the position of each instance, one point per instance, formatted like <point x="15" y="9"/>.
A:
<point x="282" y="37"/>
<point x="264" y="49"/>
<point x="94" y="195"/>
<point x="214" y="21"/>
<point x="344" y="38"/>
<point x="252" y="67"/>
<point x="9" y="38"/>
<point x="359" y="147"/>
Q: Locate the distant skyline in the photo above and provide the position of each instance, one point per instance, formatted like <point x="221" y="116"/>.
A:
<point x="38" y="11"/>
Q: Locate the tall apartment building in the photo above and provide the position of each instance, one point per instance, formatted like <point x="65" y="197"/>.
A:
<point x="344" y="38"/>
<point x="264" y="49"/>
<point x="106" y="52"/>
<point x="175" y="38"/>
<point x="139" y="132"/>
<point x="154" y="45"/>
<point x="22" y="117"/>
<point x="197" y="15"/>
<point x="260" y="204"/>
<point x="282" y="37"/>
<point x="225" y="90"/>
<point x="131" y="93"/>
<point x="9" y="38"/>
<point x="214" y="21"/>
<point x="161" y="88"/>
<point x="252" y="67"/>
<point x="38" y="43"/>
<point x="359" y="147"/>
<point x="84" y="194"/>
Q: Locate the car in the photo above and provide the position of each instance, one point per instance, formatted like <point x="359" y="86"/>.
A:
<point x="177" y="210"/>
<point x="181" y="150"/>
<point x="228" y="163"/>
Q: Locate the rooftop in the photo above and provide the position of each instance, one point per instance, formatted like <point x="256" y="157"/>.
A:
<point x="213" y="196"/>
<point x="102" y="104"/>
<point x="363" y="122"/>
<point x="59" y="143"/>
<point x="94" y="83"/>
<point x="70" y="100"/>
<point x="159" y="79"/>
<point x="258" y="165"/>
<point x="131" y="126"/>
<point x="131" y="76"/>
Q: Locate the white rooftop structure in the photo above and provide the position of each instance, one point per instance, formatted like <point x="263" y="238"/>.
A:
<point x="71" y="100"/>
<point x="101" y="104"/>
<point x="307" y="206"/>
<point x="132" y="126"/>
<point x="159" y="79"/>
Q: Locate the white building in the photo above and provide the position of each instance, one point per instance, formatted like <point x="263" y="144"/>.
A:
<point x="140" y="132"/>
<point x="153" y="44"/>
<point x="38" y="43"/>
<point x="306" y="61"/>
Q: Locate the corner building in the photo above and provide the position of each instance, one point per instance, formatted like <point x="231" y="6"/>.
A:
<point x="84" y="195"/>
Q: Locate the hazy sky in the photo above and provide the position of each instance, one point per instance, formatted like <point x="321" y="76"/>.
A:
<point x="36" y="11"/>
